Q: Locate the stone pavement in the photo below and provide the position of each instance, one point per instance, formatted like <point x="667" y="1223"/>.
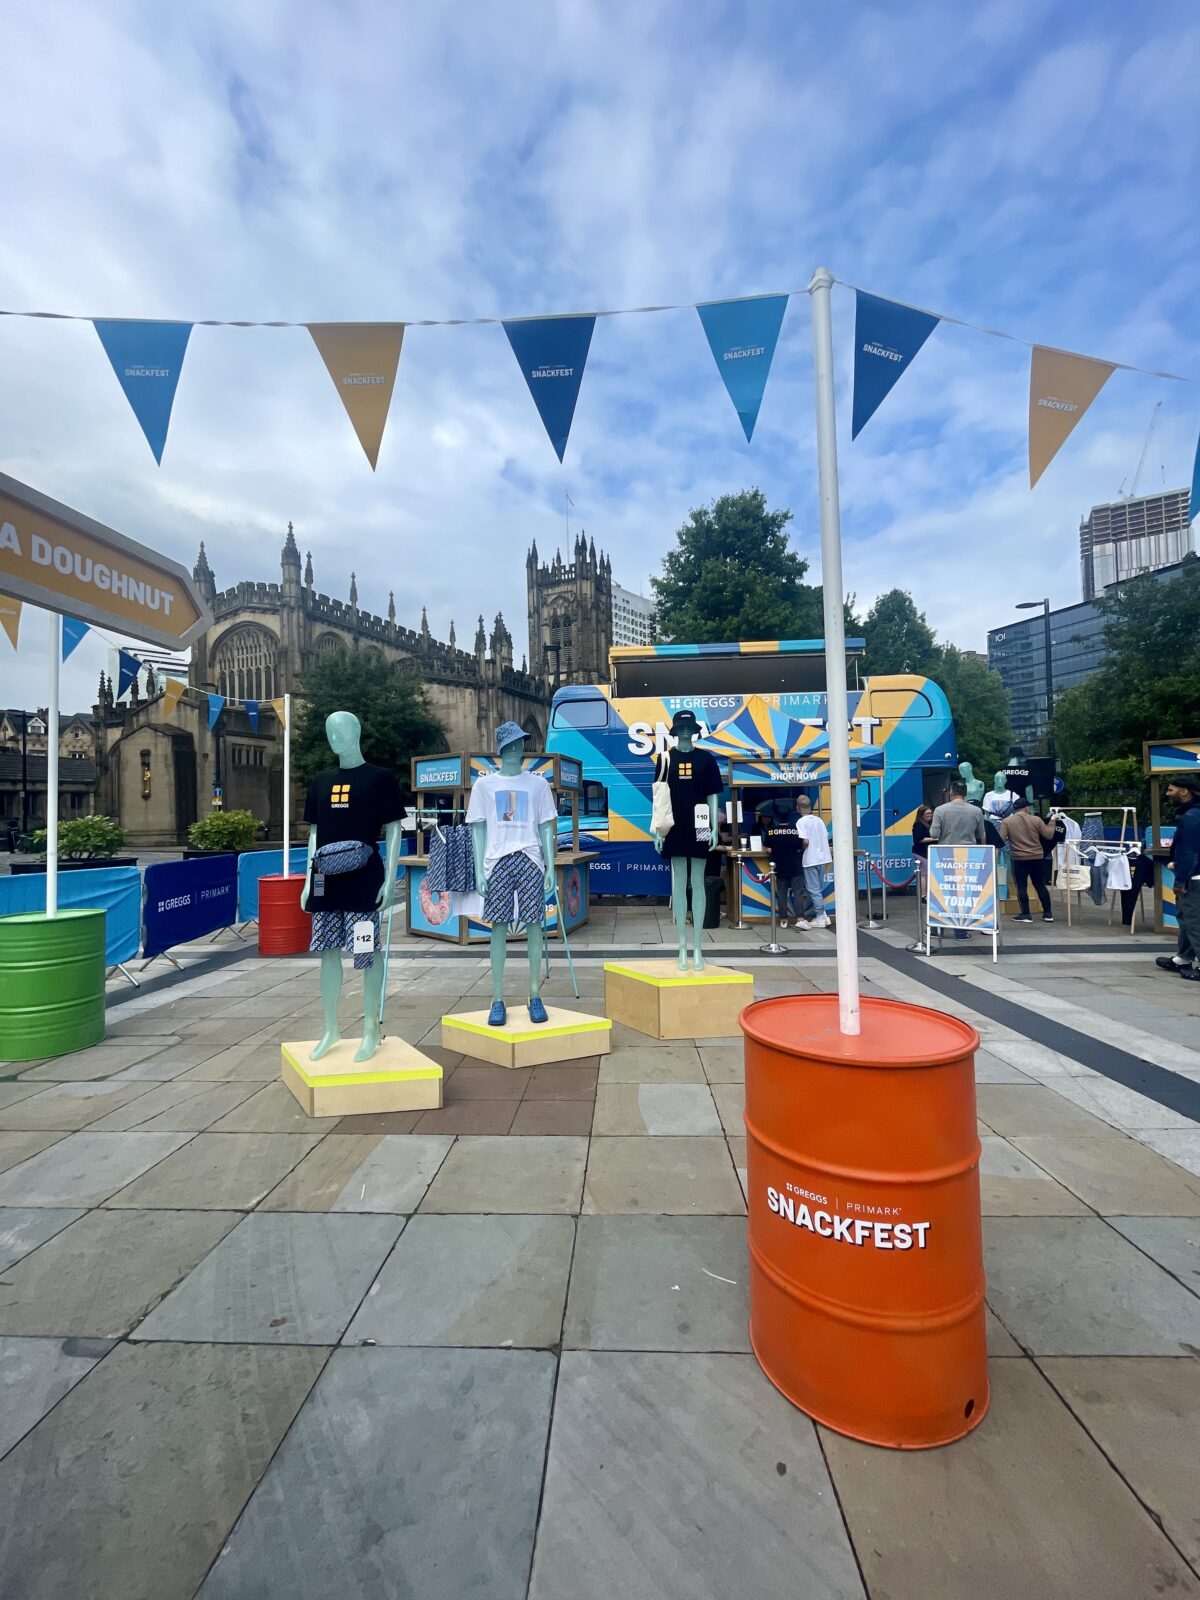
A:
<point x="501" y="1350"/>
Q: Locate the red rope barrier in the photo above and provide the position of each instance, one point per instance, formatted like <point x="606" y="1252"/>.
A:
<point x="896" y="886"/>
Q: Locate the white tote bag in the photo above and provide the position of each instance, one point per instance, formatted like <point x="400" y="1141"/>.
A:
<point x="662" y="818"/>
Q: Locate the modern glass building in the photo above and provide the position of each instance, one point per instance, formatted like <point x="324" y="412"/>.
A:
<point x="1139" y="534"/>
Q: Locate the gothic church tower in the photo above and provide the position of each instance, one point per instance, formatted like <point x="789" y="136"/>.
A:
<point x="570" y="614"/>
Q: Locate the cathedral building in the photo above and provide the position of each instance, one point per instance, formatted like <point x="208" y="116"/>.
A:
<point x="570" y="614"/>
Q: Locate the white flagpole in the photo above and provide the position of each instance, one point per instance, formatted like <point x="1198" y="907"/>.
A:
<point x="52" y="768"/>
<point x="287" y="784"/>
<point x="844" y="877"/>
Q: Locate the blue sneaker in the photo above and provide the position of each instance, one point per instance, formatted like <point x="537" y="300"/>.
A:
<point x="497" y="1016"/>
<point x="537" y="1011"/>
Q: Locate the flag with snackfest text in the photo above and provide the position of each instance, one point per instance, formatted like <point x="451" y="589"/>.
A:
<point x="886" y="338"/>
<point x="72" y="632"/>
<point x="10" y="618"/>
<point x="742" y="335"/>
<point x="362" y="358"/>
<point x="173" y="692"/>
<point x="552" y="353"/>
<point x="147" y="358"/>
<point x="1061" y="388"/>
<point x="128" y="667"/>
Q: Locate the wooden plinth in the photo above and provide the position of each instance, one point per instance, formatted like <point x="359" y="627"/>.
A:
<point x="567" y="1036"/>
<point x="396" y="1078"/>
<point x="657" y="999"/>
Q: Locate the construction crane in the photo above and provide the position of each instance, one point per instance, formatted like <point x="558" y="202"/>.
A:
<point x="1137" y="473"/>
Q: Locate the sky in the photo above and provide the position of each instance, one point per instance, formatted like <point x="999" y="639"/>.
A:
<point x="1024" y="165"/>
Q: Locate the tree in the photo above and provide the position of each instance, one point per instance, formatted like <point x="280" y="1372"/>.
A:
<point x="734" y="576"/>
<point x="979" y="705"/>
<point x="390" y="702"/>
<point x="898" y="637"/>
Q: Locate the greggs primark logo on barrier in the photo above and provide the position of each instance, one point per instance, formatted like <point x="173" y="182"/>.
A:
<point x="858" y="1231"/>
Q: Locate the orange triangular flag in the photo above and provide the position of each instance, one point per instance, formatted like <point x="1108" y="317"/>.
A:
<point x="277" y="708"/>
<point x="10" y="618"/>
<point x="362" y="358"/>
<point x="173" y="692"/>
<point x="1061" y="388"/>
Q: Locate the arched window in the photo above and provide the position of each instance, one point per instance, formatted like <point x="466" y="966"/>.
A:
<point x="328" y="643"/>
<point x="245" y="664"/>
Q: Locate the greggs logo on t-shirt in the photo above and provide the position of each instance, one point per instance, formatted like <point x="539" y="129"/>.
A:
<point x="340" y="795"/>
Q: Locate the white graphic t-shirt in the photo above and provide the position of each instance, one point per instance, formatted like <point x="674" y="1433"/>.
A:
<point x="513" y="809"/>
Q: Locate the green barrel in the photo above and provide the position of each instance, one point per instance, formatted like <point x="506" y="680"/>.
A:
<point x="51" y="984"/>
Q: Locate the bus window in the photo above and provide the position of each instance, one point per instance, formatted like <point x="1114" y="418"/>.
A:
<point x="581" y="714"/>
<point x="595" y="800"/>
<point x="892" y="705"/>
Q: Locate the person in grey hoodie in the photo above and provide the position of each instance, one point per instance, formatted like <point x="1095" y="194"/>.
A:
<point x="1026" y="835"/>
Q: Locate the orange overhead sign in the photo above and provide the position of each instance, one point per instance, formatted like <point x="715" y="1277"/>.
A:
<point x="54" y="557"/>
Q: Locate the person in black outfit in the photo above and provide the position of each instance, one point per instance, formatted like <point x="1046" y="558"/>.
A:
<point x="695" y="783"/>
<point x="920" y="848"/>
<point x="778" y="823"/>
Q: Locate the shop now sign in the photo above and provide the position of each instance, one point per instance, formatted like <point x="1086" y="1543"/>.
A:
<point x="57" y="558"/>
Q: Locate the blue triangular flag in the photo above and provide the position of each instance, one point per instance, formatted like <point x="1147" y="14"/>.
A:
<point x="128" y="667"/>
<point x="742" y="336"/>
<point x="1194" y="508"/>
<point x="552" y="353"/>
<point x="72" y="632"/>
<point x="216" y="704"/>
<point x="252" y="713"/>
<point x="147" y="358"/>
<point x="886" y="338"/>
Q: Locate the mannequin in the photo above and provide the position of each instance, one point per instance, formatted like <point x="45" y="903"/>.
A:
<point x="694" y="780"/>
<point x="1000" y="801"/>
<point x="351" y="802"/>
<point x="974" y="785"/>
<point x="505" y="810"/>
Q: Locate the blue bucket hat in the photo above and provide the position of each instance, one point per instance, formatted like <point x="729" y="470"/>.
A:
<point x="508" y="733"/>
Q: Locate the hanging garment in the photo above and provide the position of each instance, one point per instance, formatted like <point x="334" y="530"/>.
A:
<point x="1118" y="873"/>
<point x="1093" y="825"/>
<point x="1074" y="832"/>
<point x="1099" y="885"/>
<point x="451" y="866"/>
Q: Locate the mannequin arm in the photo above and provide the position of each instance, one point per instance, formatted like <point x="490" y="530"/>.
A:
<point x="714" y="802"/>
<point x="387" y="895"/>
<point x="548" y="833"/>
<point x="478" y="851"/>
<point x="312" y="850"/>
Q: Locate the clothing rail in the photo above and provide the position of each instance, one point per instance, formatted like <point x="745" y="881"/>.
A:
<point x="1086" y="852"/>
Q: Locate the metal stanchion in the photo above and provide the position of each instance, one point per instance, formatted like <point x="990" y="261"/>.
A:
<point x="774" y="948"/>
<point x="870" y="922"/>
<point x="922" y="917"/>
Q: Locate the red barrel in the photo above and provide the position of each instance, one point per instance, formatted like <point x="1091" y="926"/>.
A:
<point x="866" y="1249"/>
<point x="283" y="929"/>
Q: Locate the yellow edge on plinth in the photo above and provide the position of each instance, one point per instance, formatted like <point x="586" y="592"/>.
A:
<point x="683" y="979"/>
<point x="335" y="1080"/>
<point x="596" y="1025"/>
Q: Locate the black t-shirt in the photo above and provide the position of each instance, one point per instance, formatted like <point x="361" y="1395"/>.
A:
<point x="352" y="803"/>
<point x="785" y="845"/>
<point x="691" y="778"/>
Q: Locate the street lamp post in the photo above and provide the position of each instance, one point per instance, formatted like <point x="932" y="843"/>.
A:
<point x="1032" y="605"/>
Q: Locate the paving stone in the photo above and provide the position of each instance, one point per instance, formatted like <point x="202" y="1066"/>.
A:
<point x="99" y="1060"/>
<point x="1143" y="1414"/>
<point x="349" y="1173"/>
<point x="278" y="1279"/>
<point x="176" y="1059"/>
<point x="1011" y="1109"/>
<point x="215" y="1170"/>
<point x="1180" y="1145"/>
<point x="10" y="1093"/>
<point x="685" y="1477"/>
<point x="174" y="1108"/>
<point x="724" y="1062"/>
<point x="1024" y="1505"/>
<point x="391" y="1443"/>
<point x="471" y="1280"/>
<point x="271" y="1109"/>
<point x="1174" y="1242"/>
<point x="480" y="1117"/>
<point x="655" y="1108"/>
<point x="991" y="1069"/>
<point x="659" y="1283"/>
<point x="1011" y="1185"/>
<point x="552" y="1117"/>
<point x="254" y="1060"/>
<point x="1115" y="1175"/>
<point x="183" y="1433"/>
<point x="681" y="1176"/>
<point x="24" y="1228"/>
<point x="471" y="1081"/>
<point x="18" y="1147"/>
<point x="1072" y="1286"/>
<point x="564" y="1080"/>
<point x="730" y="1101"/>
<point x="379" y="1122"/>
<point x="527" y="1176"/>
<point x="657" y="1063"/>
<point x="999" y="1341"/>
<point x="1121" y="1107"/>
<point x="83" y="1169"/>
<point x="100" y="1275"/>
<point x="34" y="1376"/>
<point x="66" y="1107"/>
<point x="737" y="1151"/>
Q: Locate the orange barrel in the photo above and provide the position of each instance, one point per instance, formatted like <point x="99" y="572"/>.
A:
<point x="866" y="1248"/>
<point x="283" y="929"/>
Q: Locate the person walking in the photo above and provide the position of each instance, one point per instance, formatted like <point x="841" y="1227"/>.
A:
<point x="1026" y="835"/>
<point x="777" y="821"/>
<point x="957" y="822"/>
<point x="920" y="848"/>
<point x="1184" y="793"/>
<point x="817" y="856"/>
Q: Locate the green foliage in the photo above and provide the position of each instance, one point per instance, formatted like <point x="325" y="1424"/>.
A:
<point x="225" y="831"/>
<point x="84" y="839"/>
<point x="1150" y="685"/>
<point x="390" y="702"/>
<point x="898" y="637"/>
<point x="979" y="705"/>
<point x="734" y="576"/>
<point x="1118" y="781"/>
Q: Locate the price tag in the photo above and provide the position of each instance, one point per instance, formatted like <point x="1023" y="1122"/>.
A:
<point x="701" y="822"/>
<point x="318" y="883"/>
<point x="364" y="938"/>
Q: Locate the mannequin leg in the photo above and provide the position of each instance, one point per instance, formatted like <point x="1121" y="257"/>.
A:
<point x="331" y="993"/>
<point x="499" y="949"/>
<point x="679" y="881"/>
<point x="699" y="900"/>
<point x="372" y="989"/>
<point x="534" y="937"/>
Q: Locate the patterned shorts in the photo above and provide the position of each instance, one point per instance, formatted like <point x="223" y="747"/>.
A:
<point x="515" y="892"/>
<point x="334" y="930"/>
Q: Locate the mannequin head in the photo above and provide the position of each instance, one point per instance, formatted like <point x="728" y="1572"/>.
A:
<point x="685" y="729"/>
<point x="966" y="771"/>
<point x="1000" y="783"/>
<point x="343" y="731"/>
<point x="510" y="746"/>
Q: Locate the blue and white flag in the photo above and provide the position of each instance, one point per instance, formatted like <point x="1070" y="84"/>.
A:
<point x="742" y="335"/>
<point x="72" y="632"/>
<point x="886" y="338"/>
<point x="216" y="704"/>
<point x="252" y="713"/>
<point x="128" y="667"/>
<point x="552" y="353"/>
<point x="147" y="358"/>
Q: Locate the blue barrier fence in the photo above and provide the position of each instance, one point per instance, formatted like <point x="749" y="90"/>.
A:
<point x="184" y="900"/>
<point x="117" y="891"/>
<point x="257" y="864"/>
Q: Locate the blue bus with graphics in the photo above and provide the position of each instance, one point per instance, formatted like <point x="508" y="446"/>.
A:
<point x="763" y="703"/>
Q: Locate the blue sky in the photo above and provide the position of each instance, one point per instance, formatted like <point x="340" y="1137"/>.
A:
<point x="1027" y="166"/>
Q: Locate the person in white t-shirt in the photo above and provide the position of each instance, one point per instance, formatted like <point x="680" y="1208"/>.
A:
<point x="817" y="856"/>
